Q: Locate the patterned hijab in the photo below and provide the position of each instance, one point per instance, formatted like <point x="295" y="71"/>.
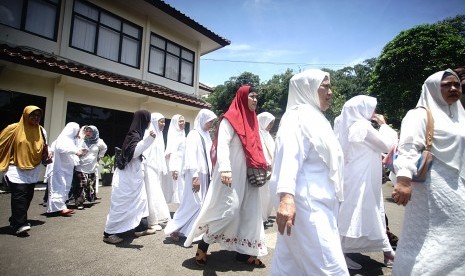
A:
<point x="245" y="124"/>
<point x="21" y="143"/>
<point x="94" y="138"/>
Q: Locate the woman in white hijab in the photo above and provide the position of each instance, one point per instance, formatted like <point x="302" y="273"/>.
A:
<point x="196" y="175"/>
<point x="175" y="145"/>
<point x="66" y="155"/>
<point x="432" y="239"/>
<point x="307" y="178"/>
<point x="155" y="168"/>
<point x="361" y="218"/>
<point x="265" y="122"/>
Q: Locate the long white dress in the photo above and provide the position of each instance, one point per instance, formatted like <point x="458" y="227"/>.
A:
<point x="195" y="165"/>
<point x="314" y="247"/>
<point x="231" y="216"/>
<point x="155" y="168"/>
<point x="176" y="144"/>
<point x="61" y="174"/>
<point x="432" y="238"/>
<point x="361" y="219"/>
<point x="128" y="195"/>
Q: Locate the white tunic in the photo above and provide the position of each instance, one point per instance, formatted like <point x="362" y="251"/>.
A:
<point x="231" y="216"/>
<point x="361" y="217"/>
<point x="128" y="196"/>
<point x="432" y="238"/>
<point x="187" y="212"/>
<point x="313" y="248"/>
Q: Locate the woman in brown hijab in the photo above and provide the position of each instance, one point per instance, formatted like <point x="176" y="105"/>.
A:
<point x="21" y="154"/>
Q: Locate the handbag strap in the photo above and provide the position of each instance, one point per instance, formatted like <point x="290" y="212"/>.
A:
<point x="429" y="128"/>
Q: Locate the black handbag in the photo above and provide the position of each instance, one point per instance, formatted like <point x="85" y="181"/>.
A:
<point x="256" y="176"/>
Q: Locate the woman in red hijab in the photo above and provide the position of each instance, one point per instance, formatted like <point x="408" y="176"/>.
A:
<point x="231" y="213"/>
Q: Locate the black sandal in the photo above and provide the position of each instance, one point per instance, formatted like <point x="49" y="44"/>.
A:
<point x="254" y="261"/>
<point x="201" y="258"/>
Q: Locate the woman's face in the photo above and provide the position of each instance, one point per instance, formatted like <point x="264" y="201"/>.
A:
<point x="34" y="117"/>
<point x="161" y="124"/>
<point x="181" y="123"/>
<point x="208" y="126"/>
<point x="270" y="126"/>
<point x="252" y="101"/>
<point x="325" y="94"/>
<point x="451" y="90"/>
<point x="88" y="132"/>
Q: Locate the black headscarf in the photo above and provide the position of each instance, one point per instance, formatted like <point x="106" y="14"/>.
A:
<point x="139" y="124"/>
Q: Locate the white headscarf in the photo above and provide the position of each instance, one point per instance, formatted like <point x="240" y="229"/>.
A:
<point x="449" y="123"/>
<point x="358" y="109"/>
<point x="67" y="140"/>
<point x="192" y="157"/>
<point x="155" y="154"/>
<point x="176" y="135"/>
<point x="264" y="120"/>
<point x="303" y="98"/>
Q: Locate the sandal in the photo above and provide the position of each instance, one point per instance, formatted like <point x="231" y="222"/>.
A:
<point x="174" y="236"/>
<point x="254" y="261"/>
<point x="201" y="258"/>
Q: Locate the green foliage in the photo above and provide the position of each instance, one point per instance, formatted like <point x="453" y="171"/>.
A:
<point x="222" y="96"/>
<point x="107" y="162"/>
<point x="272" y="96"/>
<point x="410" y="58"/>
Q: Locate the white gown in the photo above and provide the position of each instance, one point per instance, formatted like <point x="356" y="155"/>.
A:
<point x="128" y="195"/>
<point x="361" y="219"/>
<point x="231" y="216"/>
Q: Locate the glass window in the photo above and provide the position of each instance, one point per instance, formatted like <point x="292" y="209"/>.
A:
<point x="13" y="103"/>
<point x="170" y="60"/>
<point x="38" y="17"/>
<point x="116" y="39"/>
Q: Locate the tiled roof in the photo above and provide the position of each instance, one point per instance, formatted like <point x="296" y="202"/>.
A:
<point x="189" y="21"/>
<point x="74" y="69"/>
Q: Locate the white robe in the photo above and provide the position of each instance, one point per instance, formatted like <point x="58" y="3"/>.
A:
<point x="361" y="219"/>
<point x="231" y="216"/>
<point x="187" y="212"/>
<point x="128" y="196"/>
<point x="61" y="173"/>
<point x="314" y="247"/>
<point x="432" y="238"/>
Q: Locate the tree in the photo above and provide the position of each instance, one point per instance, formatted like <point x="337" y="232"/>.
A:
<point x="410" y="58"/>
<point x="222" y="96"/>
<point x="273" y="94"/>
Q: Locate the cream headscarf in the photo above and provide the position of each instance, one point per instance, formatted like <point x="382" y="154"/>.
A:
<point x="303" y="98"/>
<point x="155" y="154"/>
<point x="358" y="109"/>
<point x="449" y="123"/>
<point x="176" y="135"/>
<point x="21" y="143"/>
<point x="264" y="120"/>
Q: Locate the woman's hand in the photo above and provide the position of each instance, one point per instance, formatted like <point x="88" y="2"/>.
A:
<point x="285" y="216"/>
<point x="402" y="191"/>
<point x="379" y="119"/>
<point x="174" y="174"/>
<point x="152" y="133"/>
<point x="195" y="184"/>
<point x="226" y="178"/>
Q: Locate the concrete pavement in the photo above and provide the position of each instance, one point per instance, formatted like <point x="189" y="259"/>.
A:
<point x="73" y="246"/>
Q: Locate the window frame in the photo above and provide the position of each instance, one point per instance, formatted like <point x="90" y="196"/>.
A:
<point x="99" y="24"/>
<point x="166" y="52"/>
<point x="22" y="24"/>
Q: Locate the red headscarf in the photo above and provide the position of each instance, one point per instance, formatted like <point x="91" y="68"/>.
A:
<point x="245" y="124"/>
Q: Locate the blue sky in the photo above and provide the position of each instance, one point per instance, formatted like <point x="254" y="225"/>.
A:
<point x="269" y="36"/>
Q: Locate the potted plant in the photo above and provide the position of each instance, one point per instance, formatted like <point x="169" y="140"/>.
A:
<point x="107" y="162"/>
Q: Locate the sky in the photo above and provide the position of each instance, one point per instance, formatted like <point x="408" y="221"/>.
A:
<point x="269" y="36"/>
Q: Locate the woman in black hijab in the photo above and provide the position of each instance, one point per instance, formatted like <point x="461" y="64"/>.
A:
<point x="128" y="197"/>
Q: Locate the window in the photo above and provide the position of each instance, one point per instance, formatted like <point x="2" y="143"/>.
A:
<point x="12" y="105"/>
<point x="101" y="33"/>
<point x="171" y="61"/>
<point x="39" y="17"/>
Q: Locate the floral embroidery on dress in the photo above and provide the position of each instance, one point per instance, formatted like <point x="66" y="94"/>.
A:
<point x="229" y="241"/>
